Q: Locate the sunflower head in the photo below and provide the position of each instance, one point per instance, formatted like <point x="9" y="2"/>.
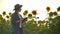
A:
<point x="48" y="8"/>
<point x="30" y="16"/>
<point x="10" y="14"/>
<point x="4" y="13"/>
<point x="34" y="12"/>
<point x="51" y="14"/>
<point x="43" y="21"/>
<point x="55" y="13"/>
<point x="58" y="9"/>
<point x="1" y="17"/>
<point x="25" y="12"/>
<point x="39" y="21"/>
<point x="35" y="22"/>
<point x="7" y="16"/>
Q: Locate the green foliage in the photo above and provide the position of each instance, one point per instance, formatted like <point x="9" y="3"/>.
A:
<point x="30" y="28"/>
<point x="52" y="25"/>
<point x="5" y="27"/>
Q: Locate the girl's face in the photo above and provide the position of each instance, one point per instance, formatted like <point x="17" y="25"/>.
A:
<point x="18" y="11"/>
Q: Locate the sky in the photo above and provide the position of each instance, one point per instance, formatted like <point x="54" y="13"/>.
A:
<point x="39" y="5"/>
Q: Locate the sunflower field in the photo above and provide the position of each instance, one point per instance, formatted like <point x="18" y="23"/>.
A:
<point x="49" y="26"/>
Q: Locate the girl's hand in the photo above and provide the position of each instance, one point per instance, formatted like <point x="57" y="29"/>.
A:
<point x="17" y="21"/>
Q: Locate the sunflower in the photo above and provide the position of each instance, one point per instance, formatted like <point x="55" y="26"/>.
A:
<point x="43" y="21"/>
<point x="34" y="12"/>
<point x="4" y="13"/>
<point x="55" y="13"/>
<point x="39" y="21"/>
<point x="30" y="16"/>
<point x="25" y="12"/>
<point x="1" y="17"/>
<point x="48" y="8"/>
<point x="58" y="9"/>
<point x="51" y="14"/>
<point x="35" y="22"/>
<point x="10" y="14"/>
<point x="7" y="16"/>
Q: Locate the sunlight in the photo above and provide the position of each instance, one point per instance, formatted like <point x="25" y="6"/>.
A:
<point x="39" y="5"/>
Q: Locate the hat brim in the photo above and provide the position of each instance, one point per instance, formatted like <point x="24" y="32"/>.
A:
<point x="19" y="7"/>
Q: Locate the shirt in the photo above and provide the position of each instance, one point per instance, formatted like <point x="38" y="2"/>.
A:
<point x="21" y="19"/>
<point x="13" y="20"/>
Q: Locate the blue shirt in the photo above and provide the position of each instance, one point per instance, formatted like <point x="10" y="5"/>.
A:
<point x="15" y="26"/>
